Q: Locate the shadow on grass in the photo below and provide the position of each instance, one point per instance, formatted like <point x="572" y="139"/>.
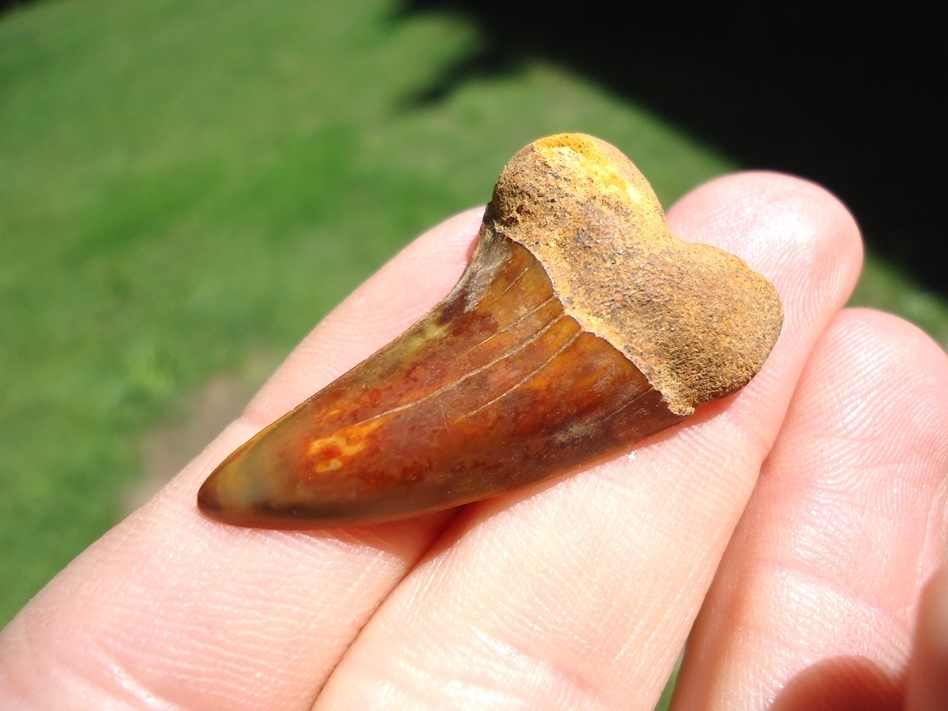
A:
<point x="10" y="4"/>
<point x="777" y="86"/>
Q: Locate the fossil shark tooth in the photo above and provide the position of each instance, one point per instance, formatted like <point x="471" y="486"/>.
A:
<point x="580" y="327"/>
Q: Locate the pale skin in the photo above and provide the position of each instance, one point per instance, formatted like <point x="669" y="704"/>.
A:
<point x="791" y="528"/>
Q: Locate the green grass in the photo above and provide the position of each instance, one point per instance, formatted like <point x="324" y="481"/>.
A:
<point x="183" y="184"/>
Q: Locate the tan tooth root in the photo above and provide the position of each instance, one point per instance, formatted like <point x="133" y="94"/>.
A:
<point x="581" y="326"/>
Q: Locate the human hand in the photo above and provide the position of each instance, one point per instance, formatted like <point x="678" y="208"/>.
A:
<point x="797" y="521"/>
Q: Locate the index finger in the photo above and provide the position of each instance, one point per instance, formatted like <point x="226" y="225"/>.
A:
<point x="172" y="608"/>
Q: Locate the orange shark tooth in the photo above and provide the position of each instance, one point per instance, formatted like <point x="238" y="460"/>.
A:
<point x="580" y="327"/>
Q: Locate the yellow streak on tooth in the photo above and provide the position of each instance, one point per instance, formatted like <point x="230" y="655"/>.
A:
<point x="328" y="454"/>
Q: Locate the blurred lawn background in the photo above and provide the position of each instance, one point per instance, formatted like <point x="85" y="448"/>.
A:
<point x="186" y="188"/>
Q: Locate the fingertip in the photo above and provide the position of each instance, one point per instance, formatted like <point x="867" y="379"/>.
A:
<point x="900" y="337"/>
<point x="901" y="370"/>
<point x="789" y="228"/>
<point x="762" y="193"/>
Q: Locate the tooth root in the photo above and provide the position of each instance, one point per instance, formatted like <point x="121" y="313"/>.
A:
<point x="580" y="327"/>
<point x="495" y="388"/>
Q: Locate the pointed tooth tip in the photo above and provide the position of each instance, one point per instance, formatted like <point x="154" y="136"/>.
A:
<point x="211" y="506"/>
<point x="208" y="499"/>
